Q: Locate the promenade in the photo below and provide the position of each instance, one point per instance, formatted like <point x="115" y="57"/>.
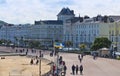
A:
<point x="98" y="67"/>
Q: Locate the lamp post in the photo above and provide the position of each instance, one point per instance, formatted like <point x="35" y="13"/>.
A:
<point x="57" y="64"/>
<point x="116" y="32"/>
<point x="6" y="33"/>
<point x="40" y="63"/>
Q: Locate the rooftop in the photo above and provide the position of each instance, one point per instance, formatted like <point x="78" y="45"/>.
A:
<point x="66" y="11"/>
<point x="58" y="22"/>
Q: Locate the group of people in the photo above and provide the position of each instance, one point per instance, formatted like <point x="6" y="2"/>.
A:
<point x="76" y="68"/>
<point x="57" y="70"/>
<point x="34" y="61"/>
<point x="26" y="51"/>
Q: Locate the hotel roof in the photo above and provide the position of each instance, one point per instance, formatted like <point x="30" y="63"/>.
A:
<point x="66" y="11"/>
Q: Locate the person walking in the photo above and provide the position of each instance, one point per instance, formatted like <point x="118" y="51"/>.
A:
<point x="37" y="61"/>
<point x="80" y="60"/>
<point x="31" y="62"/>
<point x="26" y="52"/>
<point x="82" y="55"/>
<point x="76" y="69"/>
<point x="65" y="68"/>
<point x="73" y="69"/>
<point x="79" y="57"/>
<point x="54" y="68"/>
<point x="94" y="56"/>
<point x="81" y="69"/>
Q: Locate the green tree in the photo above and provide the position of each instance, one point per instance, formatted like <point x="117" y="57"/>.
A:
<point x="2" y="41"/>
<point x="16" y="41"/>
<point x="26" y="42"/>
<point x="34" y="44"/>
<point x="82" y="47"/>
<point x="101" y="43"/>
<point x="68" y="44"/>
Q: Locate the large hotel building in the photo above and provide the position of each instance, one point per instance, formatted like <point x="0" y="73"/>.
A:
<point x="67" y="27"/>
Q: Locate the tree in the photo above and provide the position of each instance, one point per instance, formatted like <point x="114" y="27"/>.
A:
<point x="26" y="42"/>
<point x="101" y="43"/>
<point x="16" y="40"/>
<point x="82" y="47"/>
<point x="34" y="44"/>
<point x="68" y="44"/>
<point x="21" y="41"/>
<point x="2" y="41"/>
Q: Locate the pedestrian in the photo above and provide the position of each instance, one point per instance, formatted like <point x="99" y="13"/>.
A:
<point x="73" y="69"/>
<point x="80" y="60"/>
<point x="60" y="58"/>
<point x="94" y="56"/>
<point x="82" y="55"/>
<point x="79" y="57"/>
<point x="31" y="62"/>
<point x="37" y="61"/>
<point x="60" y="62"/>
<point x="16" y="50"/>
<point x="65" y="68"/>
<point x="20" y="51"/>
<point x="54" y="68"/>
<point x="76" y="69"/>
<point x="81" y="69"/>
<point x="63" y="62"/>
<point x="23" y="50"/>
<point x="26" y="52"/>
<point x="51" y="54"/>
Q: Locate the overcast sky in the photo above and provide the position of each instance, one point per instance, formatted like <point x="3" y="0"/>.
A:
<point x="27" y="11"/>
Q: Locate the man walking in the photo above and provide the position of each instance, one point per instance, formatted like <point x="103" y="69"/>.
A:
<point x="73" y="69"/>
<point x="65" y="68"/>
<point x="80" y="57"/>
<point x="80" y="60"/>
<point x="76" y="69"/>
<point x="81" y="69"/>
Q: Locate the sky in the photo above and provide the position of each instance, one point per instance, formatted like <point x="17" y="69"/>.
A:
<point x="28" y="11"/>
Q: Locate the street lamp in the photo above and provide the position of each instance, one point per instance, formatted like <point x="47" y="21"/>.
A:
<point x="115" y="49"/>
<point x="39" y="63"/>
<point x="57" y="64"/>
<point x="116" y="34"/>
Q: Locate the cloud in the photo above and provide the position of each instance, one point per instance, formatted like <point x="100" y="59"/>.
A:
<point x="27" y="11"/>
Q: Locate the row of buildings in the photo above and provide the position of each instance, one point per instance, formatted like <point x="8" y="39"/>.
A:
<point x="67" y="27"/>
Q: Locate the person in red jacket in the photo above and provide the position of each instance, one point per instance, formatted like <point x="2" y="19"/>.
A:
<point x="54" y="68"/>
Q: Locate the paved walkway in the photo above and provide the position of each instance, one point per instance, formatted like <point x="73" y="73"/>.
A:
<point x="98" y="67"/>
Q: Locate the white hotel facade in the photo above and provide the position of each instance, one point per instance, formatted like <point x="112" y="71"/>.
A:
<point x="67" y="27"/>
